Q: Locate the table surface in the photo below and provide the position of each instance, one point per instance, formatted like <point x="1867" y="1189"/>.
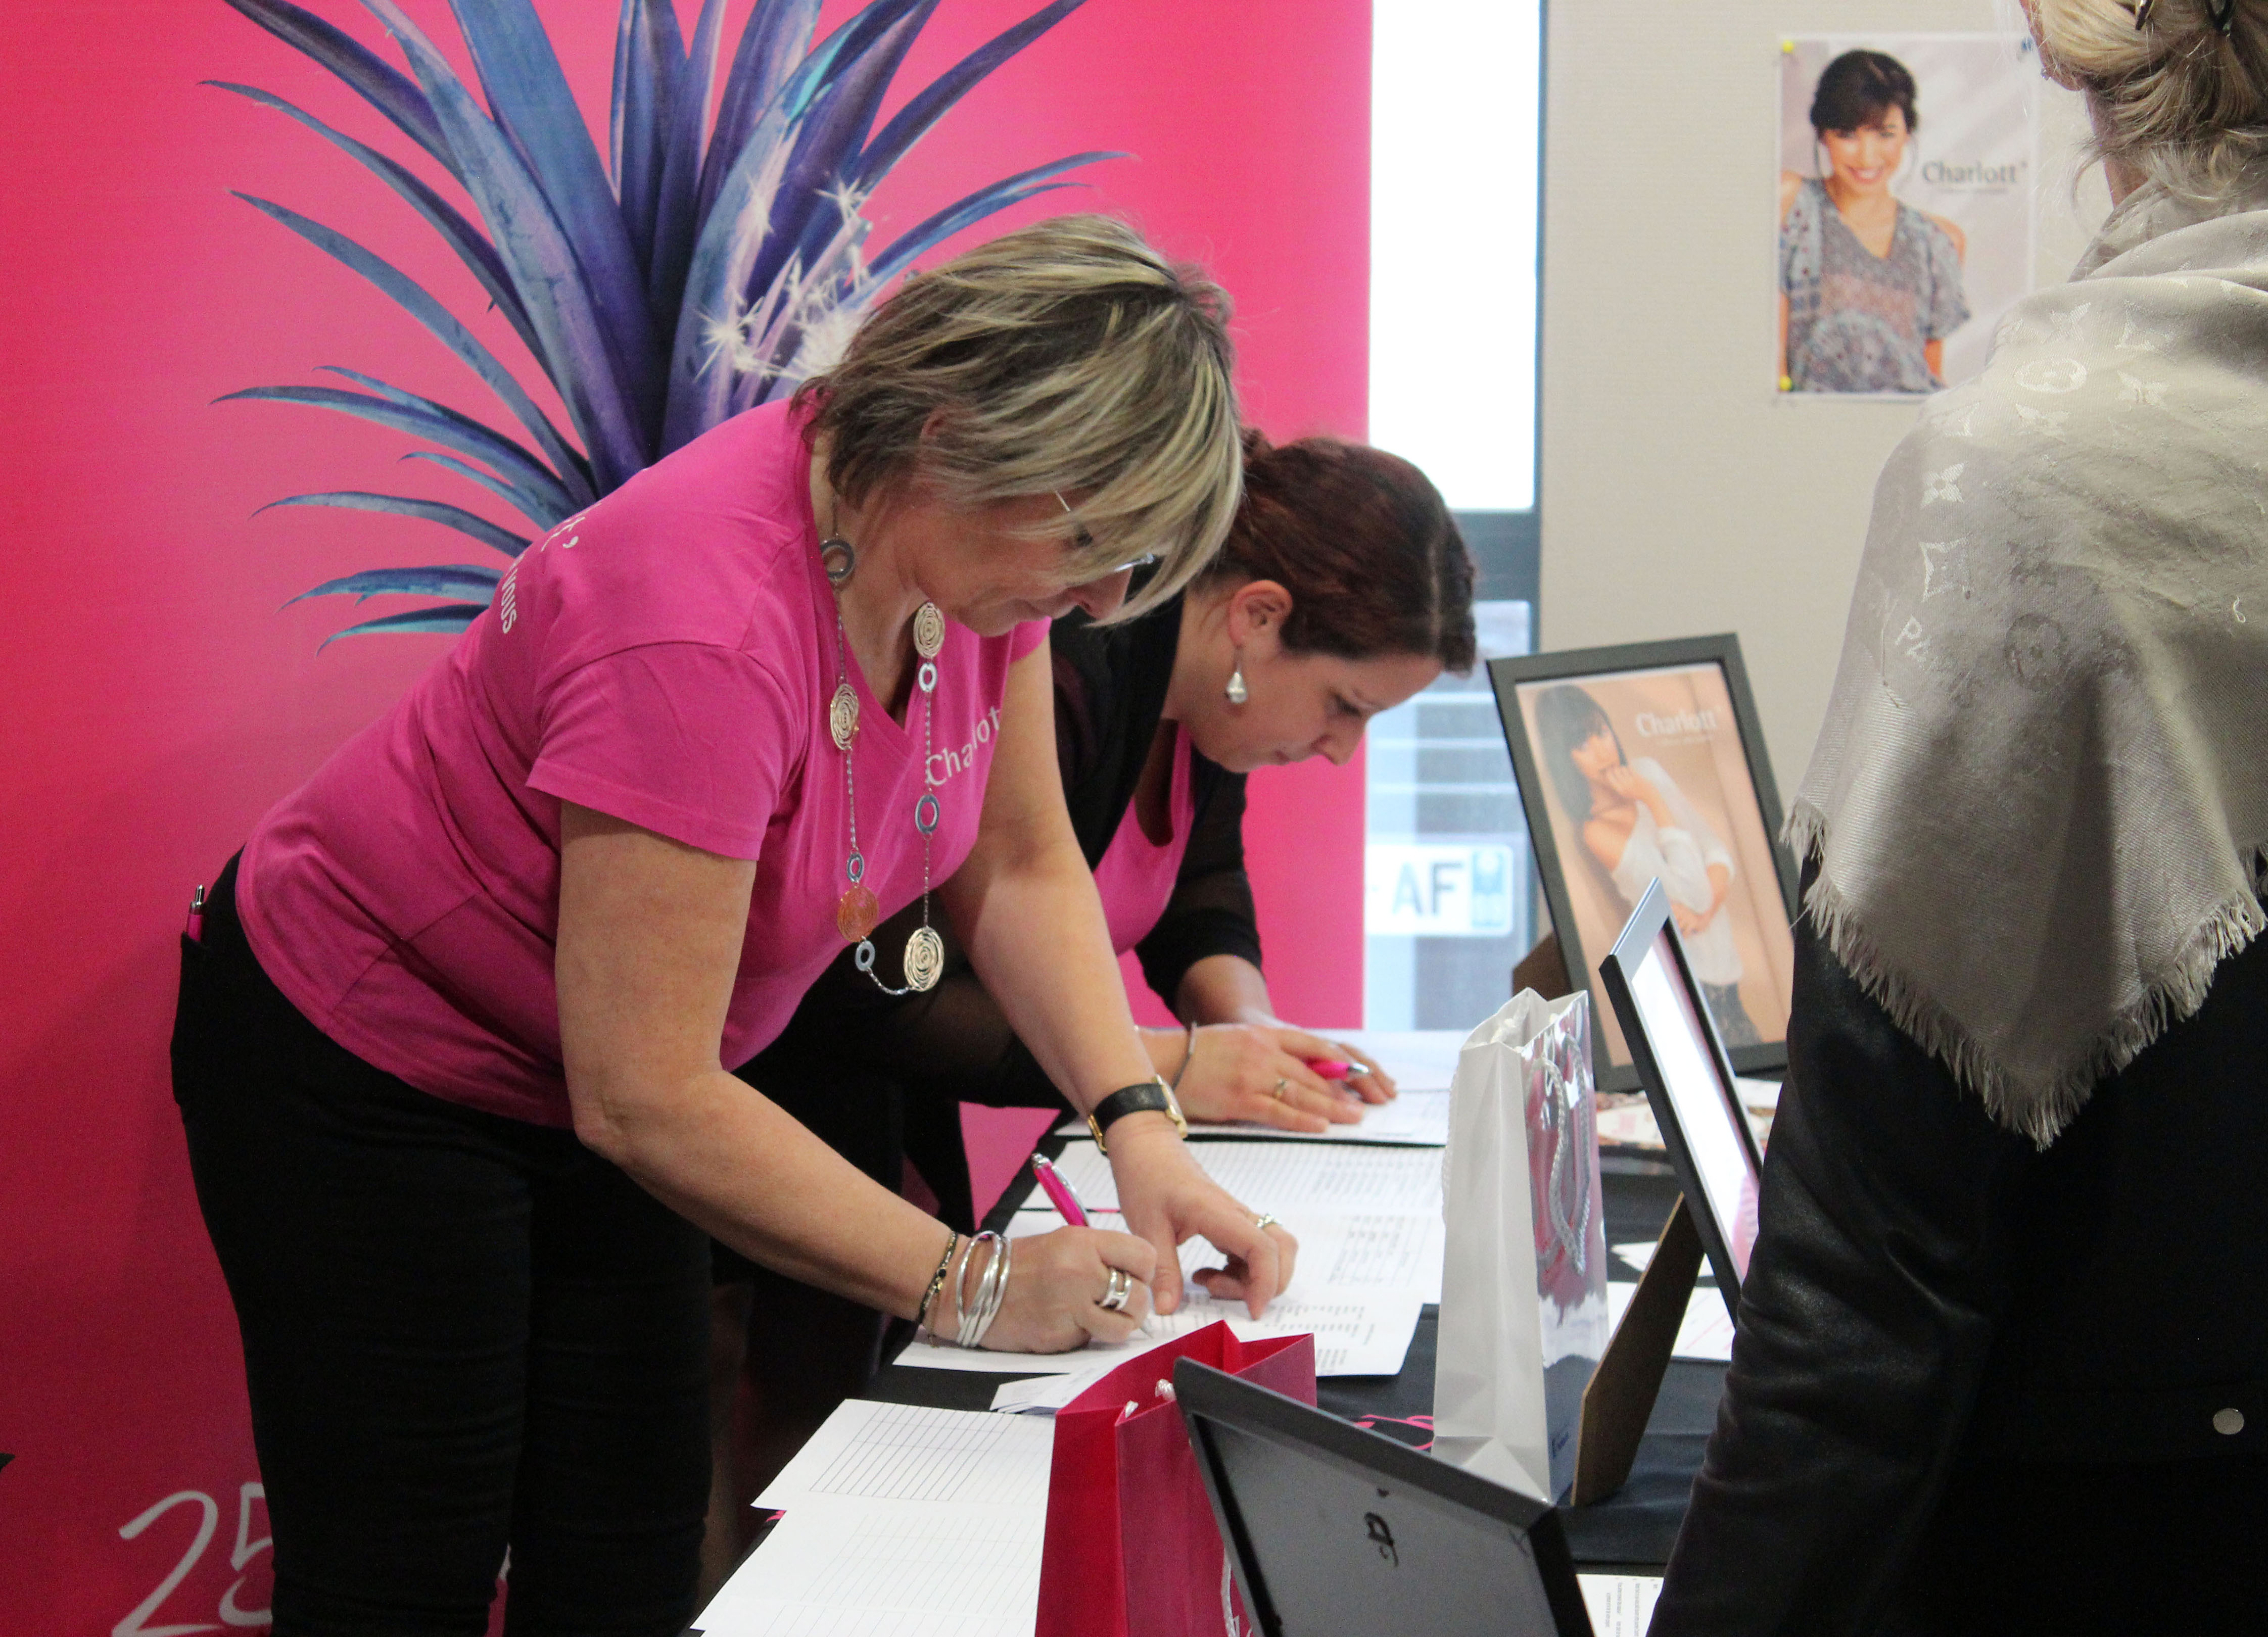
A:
<point x="1632" y="1530"/>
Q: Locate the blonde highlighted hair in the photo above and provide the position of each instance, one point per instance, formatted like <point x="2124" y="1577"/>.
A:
<point x="2176" y="99"/>
<point x="1068" y="357"/>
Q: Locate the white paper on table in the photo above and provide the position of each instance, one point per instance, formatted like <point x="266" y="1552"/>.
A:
<point x="1756" y="1094"/>
<point x="900" y="1519"/>
<point x="915" y="1454"/>
<point x="1339" y="1254"/>
<point x="1637" y="1252"/>
<point x="1362" y="1251"/>
<point x="1042" y="1395"/>
<point x="1421" y="1061"/>
<point x="1633" y="1126"/>
<point x="826" y="1571"/>
<point x="1288" y="1178"/>
<point x="1354" y="1336"/>
<point x="1620" y="1606"/>
<point x="1705" y="1334"/>
<point x="1413" y="1119"/>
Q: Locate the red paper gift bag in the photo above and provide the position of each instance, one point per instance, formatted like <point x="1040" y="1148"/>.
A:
<point x="1131" y="1547"/>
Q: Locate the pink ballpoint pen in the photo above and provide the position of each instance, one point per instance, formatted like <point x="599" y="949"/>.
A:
<point x="1058" y="1191"/>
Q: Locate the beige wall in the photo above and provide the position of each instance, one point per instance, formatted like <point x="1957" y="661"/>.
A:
<point x="1680" y="494"/>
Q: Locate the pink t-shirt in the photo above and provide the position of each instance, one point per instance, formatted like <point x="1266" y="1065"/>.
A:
<point x="665" y="657"/>
<point x="1136" y="875"/>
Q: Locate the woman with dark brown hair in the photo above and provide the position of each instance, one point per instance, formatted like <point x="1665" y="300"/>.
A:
<point x="1344" y="587"/>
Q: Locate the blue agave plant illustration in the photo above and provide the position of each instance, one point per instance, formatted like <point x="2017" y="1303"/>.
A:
<point x="699" y="273"/>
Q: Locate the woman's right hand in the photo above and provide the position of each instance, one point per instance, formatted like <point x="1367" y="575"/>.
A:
<point x="1055" y="1285"/>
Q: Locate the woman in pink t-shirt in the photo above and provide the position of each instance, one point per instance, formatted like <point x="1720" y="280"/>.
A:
<point x="451" y="1052"/>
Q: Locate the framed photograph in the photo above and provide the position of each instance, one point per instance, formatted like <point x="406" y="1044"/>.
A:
<point x="1658" y="1002"/>
<point x="1645" y="763"/>
<point x="1908" y="167"/>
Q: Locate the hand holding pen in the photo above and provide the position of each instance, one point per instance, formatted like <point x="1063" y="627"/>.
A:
<point x="1266" y="1074"/>
<point x="1058" y="1190"/>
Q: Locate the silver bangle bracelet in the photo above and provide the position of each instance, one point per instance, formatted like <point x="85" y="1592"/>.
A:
<point x="960" y="1303"/>
<point x="1188" y="1053"/>
<point x="995" y="1292"/>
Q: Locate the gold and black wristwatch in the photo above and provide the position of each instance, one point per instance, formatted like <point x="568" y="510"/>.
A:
<point x="1143" y="1096"/>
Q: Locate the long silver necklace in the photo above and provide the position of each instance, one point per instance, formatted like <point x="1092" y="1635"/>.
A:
<point x="858" y="911"/>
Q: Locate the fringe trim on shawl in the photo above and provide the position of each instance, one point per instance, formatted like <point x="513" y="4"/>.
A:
<point x="2038" y="1110"/>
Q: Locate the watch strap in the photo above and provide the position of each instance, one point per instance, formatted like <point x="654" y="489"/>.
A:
<point x="1143" y="1096"/>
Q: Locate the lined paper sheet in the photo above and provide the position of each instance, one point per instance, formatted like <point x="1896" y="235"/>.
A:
<point x="900" y="1519"/>
<point x="1359" y="1285"/>
<point x="826" y="1573"/>
<point x="1413" y="1119"/>
<point x="1287" y="1177"/>
<point x="1354" y="1336"/>
<point x="870" y="1451"/>
<point x="1621" y="1606"/>
<point x="1363" y="1252"/>
<point x="1419" y="1060"/>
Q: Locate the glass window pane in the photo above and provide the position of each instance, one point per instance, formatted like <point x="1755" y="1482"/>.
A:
<point x="1456" y="95"/>
<point x="1447" y="903"/>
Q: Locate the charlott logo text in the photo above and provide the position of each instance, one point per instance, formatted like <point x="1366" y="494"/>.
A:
<point x="942" y="765"/>
<point x="1652" y="724"/>
<point x="1944" y="173"/>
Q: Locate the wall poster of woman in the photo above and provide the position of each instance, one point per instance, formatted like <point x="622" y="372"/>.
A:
<point x="1907" y="166"/>
<point x="1644" y="778"/>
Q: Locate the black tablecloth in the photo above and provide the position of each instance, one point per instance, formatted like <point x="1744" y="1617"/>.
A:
<point x="1632" y="1529"/>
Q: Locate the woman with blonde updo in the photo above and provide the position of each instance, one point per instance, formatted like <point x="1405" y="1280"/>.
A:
<point x="2001" y="1356"/>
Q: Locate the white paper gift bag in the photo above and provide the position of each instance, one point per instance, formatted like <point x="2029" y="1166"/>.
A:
<point x="1524" y="1316"/>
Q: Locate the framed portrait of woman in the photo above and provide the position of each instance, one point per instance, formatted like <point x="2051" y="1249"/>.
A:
<point x="1643" y="764"/>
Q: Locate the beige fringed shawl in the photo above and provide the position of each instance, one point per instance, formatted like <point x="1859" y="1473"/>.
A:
<point x="2041" y="795"/>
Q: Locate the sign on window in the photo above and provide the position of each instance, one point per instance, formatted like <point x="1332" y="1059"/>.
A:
<point x="1438" y="890"/>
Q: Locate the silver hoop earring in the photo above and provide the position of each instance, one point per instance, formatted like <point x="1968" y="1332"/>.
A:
<point x="1236" y="691"/>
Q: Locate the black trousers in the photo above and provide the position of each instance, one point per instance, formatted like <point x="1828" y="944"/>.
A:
<point x="462" y="1333"/>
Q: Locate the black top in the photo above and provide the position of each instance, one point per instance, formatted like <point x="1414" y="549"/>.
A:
<point x="1110" y="696"/>
<point x="1978" y="1385"/>
<point x="858" y="1066"/>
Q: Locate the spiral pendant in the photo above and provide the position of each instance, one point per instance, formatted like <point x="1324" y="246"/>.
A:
<point x="925" y="959"/>
<point x="929" y="631"/>
<point x="842" y="716"/>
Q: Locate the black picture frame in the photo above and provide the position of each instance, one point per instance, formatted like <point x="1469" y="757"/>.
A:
<point x="1356" y="1461"/>
<point x="1647" y="923"/>
<point x="1596" y="665"/>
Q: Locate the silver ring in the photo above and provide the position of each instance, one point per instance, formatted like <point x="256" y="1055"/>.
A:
<point x="1116" y="1290"/>
<point x="1281" y="1081"/>
<point x="1267" y="1220"/>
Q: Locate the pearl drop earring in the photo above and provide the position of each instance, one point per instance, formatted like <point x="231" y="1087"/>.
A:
<point x="1236" y="691"/>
